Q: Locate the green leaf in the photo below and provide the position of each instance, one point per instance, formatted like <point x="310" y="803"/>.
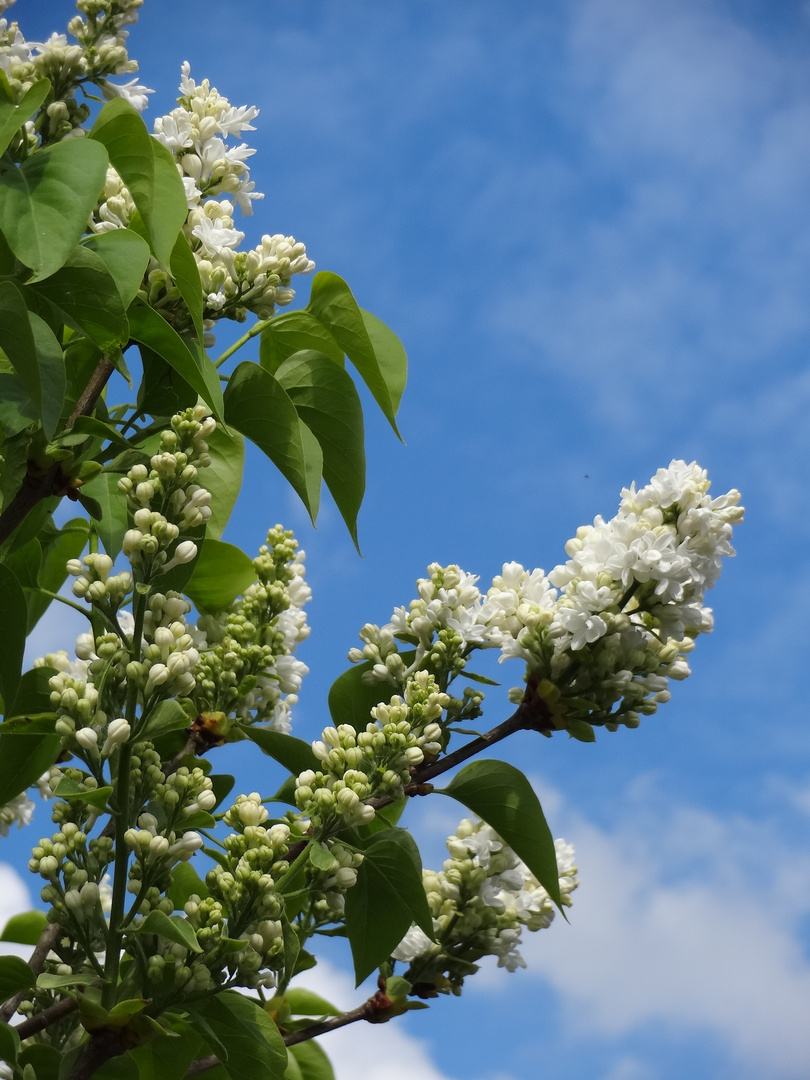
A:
<point x="17" y="410"/>
<point x="391" y="356"/>
<point x="307" y="1003"/>
<point x="501" y="795"/>
<point x="580" y="730"/>
<point x="482" y="679"/>
<point x="25" y="562"/>
<point x="352" y="696"/>
<point x="166" y="716"/>
<point x="46" y="981"/>
<point x="33" y="697"/>
<point x="173" y="927"/>
<point x="126" y="256"/>
<point x="84" y="294"/>
<point x="148" y="328"/>
<point x="162" y="391"/>
<point x="93" y="428"/>
<point x="122" y="1067"/>
<point x="114" y="522"/>
<point x="69" y="789"/>
<point x="294" y="754"/>
<point x="148" y="170"/>
<point x="257" y="405"/>
<point x="254" y="1045"/>
<point x="332" y="304"/>
<point x="186" y="277"/>
<point x="320" y="857"/>
<point x="121" y="1013"/>
<point x="35" y="355"/>
<point x="13" y="619"/>
<point x="327" y="401"/>
<point x="25" y="928"/>
<point x="12" y="117"/>
<point x="222" y="572"/>
<point x="51" y="364"/>
<point x="388" y="897"/>
<point x="46" y="201"/>
<point x="222" y="785"/>
<point x="15" y="975"/>
<point x="289" y="333"/>
<point x="312" y="1061"/>
<point x="185" y="883"/>
<point x="170" y="207"/>
<point x="292" y="1072"/>
<point x="9" y="1044"/>
<point x="57" y="547"/>
<point x="200" y="820"/>
<point x="223" y="477"/>
<point x="168" y="1057"/>
<point x="44" y="1059"/>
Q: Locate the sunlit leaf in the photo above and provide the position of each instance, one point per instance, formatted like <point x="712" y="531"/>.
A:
<point x="501" y="795"/>
<point x="46" y="201"/>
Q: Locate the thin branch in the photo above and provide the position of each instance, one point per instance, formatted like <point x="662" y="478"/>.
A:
<point x="51" y="1015"/>
<point x="92" y="392"/>
<point x="243" y="340"/>
<point x="377" y="1010"/>
<point x="531" y="715"/>
<point x="103" y="1045"/>
<point x="366" y="1011"/>
<point x="46" y="942"/>
<point x="38" y="485"/>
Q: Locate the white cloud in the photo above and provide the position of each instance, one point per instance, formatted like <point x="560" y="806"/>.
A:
<point x="680" y="261"/>
<point x="14" y="898"/>
<point x="57" y="629"/>
<point x="370" y="1051"/>
<point x="689" y="920"/>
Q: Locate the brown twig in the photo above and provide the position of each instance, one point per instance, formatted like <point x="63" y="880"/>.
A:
<point x="47" y="1017"/>
<point x="46" y="942"/>
<point x="38" y="484"/>
<point x="377" y="1010"/>
<point x="103" y="1045"/>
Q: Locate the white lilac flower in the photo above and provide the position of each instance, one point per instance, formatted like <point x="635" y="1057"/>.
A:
<point x="132" y="92"/>
<point x="481" y="901"/>
<point x="19" y="811"/>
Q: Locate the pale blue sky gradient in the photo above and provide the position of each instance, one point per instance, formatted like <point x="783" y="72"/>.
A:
<point x="587" y="220"/>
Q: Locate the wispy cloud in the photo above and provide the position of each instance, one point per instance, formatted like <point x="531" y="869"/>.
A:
<point x="687" y="920"/>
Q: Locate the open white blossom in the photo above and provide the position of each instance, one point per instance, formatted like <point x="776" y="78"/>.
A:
<point x="481" y="901"/>
<point x="19" y="811"/>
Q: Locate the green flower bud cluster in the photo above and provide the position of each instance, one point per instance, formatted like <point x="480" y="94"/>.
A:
<point x="165" y="499"/>
<point x="106" y="657"/>
<point x="426" y="704"/>
<point x="173" y="972"/>
<point x="480" y="901"/>
<point x="167" y="664"/>
<point x="442" y="623"/>
<point x="73" y="866"/>
<point x="242" y="904"/>
<point x="156" y="849"/>
<point x="76" y="810"/>
<point x="95" y="583"/>
<point x="185" y="792"/>
<point x="145" y="774"/>
<point x="100" y="51"/>
<point x="77" y="705"/>
<point x="357" y="766"/>
<point x="328" y="887"/>
<point x="250" y="670"/>
<point x="254" y="965"/>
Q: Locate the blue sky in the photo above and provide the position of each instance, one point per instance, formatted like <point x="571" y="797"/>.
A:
<point x="587" y="220"/>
